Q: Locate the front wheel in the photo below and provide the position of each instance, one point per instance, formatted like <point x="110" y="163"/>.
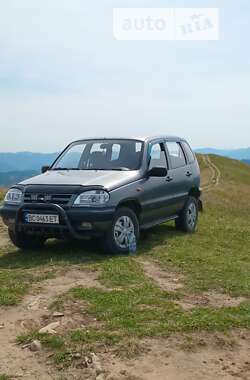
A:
<point x="26" y="242"/>
<point x="124" y="225"/>
<point x="188" y="218"/>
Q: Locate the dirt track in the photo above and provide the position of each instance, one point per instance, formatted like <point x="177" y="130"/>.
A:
<point x="209" y="357"/>
<point x="215" y="174"/>
<point x="31" y="313"/>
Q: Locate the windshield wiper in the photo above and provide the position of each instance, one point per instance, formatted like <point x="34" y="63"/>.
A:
<point x="110" y="169"/>
<point x="121" y="169"/>
<point x="107" y="169"/>
<point x="65" y="168"/>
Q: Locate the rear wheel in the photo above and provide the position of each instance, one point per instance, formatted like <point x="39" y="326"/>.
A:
<point x="125" y="223"/>
<point x="26" y="242"/>
<point x="188" y="218"/>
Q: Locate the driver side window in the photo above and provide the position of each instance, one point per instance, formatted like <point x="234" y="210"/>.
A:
<point x="157" y="157"/>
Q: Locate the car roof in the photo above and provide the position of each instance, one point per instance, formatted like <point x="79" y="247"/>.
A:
<point x="139" y="138"/>
<point x="159" y="137"/>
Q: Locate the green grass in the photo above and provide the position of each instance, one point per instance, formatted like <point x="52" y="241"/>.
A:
<point x="93" y="335"/>
<point x="50" y="341"/>
<point x="147" y="311"/>
<point x="216" y="258"/>
<point x="135" y="313"/>
<point x="121" y="271"/>
<point x="14" y="284"/>
<point x="4" y="377"/>
<point x="233" y="171"/>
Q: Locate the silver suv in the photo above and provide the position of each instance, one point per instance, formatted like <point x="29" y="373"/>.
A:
<point x="106" y="187"/>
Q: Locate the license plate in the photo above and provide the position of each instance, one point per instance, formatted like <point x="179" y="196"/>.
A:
<point x="41" y="218"/>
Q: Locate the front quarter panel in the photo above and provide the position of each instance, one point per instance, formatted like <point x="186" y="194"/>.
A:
<point x="129" y="192"/>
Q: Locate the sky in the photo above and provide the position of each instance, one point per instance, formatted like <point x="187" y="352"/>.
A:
<point x="63" y="76"/>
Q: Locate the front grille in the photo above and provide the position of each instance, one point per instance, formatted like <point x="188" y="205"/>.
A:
<point x="59" y="199"/>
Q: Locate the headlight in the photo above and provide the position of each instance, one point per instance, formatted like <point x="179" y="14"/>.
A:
<point x="92" y="198"/>
<point x="14" y="197"/>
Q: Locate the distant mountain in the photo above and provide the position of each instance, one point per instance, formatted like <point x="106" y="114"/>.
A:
<point x="246" y="161"/>
<point x="13" y="177"/>
<point x="237" y="154"/>
<point x="25" y="161"/>
<point x="15" y="167"/>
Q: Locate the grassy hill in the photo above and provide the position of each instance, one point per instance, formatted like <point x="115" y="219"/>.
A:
<point x="176" y="283"/>
<point x="238" y="154"/>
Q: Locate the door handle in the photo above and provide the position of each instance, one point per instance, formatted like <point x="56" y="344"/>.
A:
<point x="188" y="173"/>
<point x="169" y="178"/>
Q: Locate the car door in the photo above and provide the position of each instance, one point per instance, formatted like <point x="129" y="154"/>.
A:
<point x="154" y="196"/>
<point x="192" y="168"/>
<point x="178" y="175"/>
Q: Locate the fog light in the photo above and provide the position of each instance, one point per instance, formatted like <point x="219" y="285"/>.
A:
<point x="86" y="226"/>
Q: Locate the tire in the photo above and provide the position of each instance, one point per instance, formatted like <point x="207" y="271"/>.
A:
<point x="188" y="218"/>
<point x="111" y="238"/>
<point x="26" y="242"/>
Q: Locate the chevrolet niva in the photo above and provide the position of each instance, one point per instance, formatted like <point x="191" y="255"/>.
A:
<point x="107" y="187"/>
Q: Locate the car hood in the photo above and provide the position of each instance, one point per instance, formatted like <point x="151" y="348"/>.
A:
<point x="107" y="179"/>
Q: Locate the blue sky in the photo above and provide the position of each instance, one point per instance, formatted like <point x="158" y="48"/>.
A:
<point x="63" y="76"/>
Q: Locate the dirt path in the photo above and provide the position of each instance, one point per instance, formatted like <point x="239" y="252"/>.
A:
<point x="166" y="280"/>
<point x="209" y="357"/>
<point x="205" y="357"/>
<point x="34" y="313"/>
<point x="215" y="174"/>
<point x="172" y="282"/>
<point x="201" y="356"/>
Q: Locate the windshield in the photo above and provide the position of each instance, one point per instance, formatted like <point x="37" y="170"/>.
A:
<point x="101" y="155"/>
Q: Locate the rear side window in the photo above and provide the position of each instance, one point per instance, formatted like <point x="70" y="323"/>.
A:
<point x="176" y="154"/>
<point x="189" y="153"/>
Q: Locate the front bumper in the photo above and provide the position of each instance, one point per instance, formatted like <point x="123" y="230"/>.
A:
<point x="75" y="222"/>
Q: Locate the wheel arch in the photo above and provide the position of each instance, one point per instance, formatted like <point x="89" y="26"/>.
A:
<point x="133" y="204"/>
<point x="196" y="193"/>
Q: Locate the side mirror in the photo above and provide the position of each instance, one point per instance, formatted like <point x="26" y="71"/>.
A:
<point x="157" y="172"/>
<point x="45" y="169"/>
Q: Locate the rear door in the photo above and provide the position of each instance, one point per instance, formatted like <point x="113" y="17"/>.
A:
<point x="193" y="171"/>
<point x="178" y="175"/>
